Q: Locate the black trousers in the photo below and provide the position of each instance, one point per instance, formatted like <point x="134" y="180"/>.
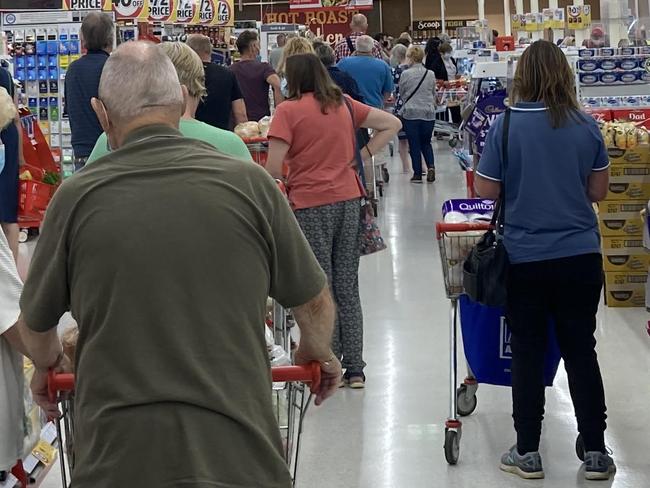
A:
<point x="568" y="291"/>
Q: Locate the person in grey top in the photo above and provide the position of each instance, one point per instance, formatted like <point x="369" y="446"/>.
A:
<point x="417" y="89"/>
<point x="276" y="53"/>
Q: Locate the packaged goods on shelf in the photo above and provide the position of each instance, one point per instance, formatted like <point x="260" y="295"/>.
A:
<point x="637" y="155"/>
<point x="620" y="224"/>
<point x="625" y="260"/>
<point x="637" y="116"/>
<point x="629" y="182"/>
<point x="611" y="66"/>
<point x="625" y="289"/>
<point x="630" y="243"/>
<point x="625" y="134"/>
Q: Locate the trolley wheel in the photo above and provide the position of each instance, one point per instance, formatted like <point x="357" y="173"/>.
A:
<point x="580" y="448"/>
<point x="465" y="405"/>
<point x="452" y="446"/>
<point x="453" y="142"/>
<point x="385" y="174"/>
<point x="23" y="236"/>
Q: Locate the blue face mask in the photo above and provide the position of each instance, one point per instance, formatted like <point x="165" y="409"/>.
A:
<point x="2" y="157"/>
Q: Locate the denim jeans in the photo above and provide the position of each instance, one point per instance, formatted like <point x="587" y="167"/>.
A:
<point x="419" y="134"/>
<point x="568" y="291"/>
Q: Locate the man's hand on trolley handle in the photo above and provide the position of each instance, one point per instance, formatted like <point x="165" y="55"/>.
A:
<point x="46" y="352"/>
<point x="316" y="321"/>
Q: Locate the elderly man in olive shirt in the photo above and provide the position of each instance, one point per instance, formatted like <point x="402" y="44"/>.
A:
<point x="165" y="251"/>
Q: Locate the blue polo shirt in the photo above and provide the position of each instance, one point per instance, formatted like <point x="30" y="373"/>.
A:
<point x="372" y="75"/>
<point x="82" y="84"/>
<point x="548" y="213"/>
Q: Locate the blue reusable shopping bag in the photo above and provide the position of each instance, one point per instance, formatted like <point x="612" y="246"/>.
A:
<point x="486" y="339"/>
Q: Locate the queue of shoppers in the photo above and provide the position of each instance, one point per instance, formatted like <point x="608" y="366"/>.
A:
<point x="165" y="161"/>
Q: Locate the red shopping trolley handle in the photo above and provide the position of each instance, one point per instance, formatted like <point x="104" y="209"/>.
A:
<point x="442" y="228"/>
<point x="309" y="373"/>
<point x="255" y="140"/>
<point x="58" y="382"/>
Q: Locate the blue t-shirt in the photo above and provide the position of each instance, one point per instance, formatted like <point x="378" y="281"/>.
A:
<point x="81" y="85"/>
<point x="548" y="213"/>
<point x="372" y="75"/>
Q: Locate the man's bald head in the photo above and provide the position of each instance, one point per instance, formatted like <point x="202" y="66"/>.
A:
<point x="139" y="87"/>
<point x="359" y="23"/>
<point x="98" y="32"/>
<point x="138" y="78"/>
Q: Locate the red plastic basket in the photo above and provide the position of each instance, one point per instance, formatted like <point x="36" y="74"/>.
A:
<point x="34" y="196"/>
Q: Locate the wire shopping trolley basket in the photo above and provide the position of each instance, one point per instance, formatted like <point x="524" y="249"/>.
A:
<point x="455" y="242"/>
<point x="61" y="391"/>
<point x="258" y="147"/>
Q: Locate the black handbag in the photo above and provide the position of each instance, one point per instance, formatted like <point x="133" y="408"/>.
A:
<point x="486" y="266"/>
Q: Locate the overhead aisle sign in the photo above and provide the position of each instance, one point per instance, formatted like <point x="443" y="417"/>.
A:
<point x="331" y="4"/>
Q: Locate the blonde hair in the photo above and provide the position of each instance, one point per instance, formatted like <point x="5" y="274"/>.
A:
<point x="415" y="54"/>
<point x="295" y="45"/>
<point x="189" y="67"/>
<point x="200" y="43"/>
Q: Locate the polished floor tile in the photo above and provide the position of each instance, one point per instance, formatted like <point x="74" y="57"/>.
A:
<point x="391" y="435"/>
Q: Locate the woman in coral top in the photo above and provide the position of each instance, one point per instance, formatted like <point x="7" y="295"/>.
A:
<point x="313" y="132"/>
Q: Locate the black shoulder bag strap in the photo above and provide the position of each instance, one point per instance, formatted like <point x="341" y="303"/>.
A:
<point x="498" y="219"/>
<point x="416" y="89"/>
<point x="350" y="44"/>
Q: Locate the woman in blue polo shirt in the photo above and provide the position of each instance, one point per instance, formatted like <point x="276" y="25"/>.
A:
<point x="556" y="167"/>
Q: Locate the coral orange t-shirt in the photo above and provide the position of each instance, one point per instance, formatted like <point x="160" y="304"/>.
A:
<point x="321" y="148"/>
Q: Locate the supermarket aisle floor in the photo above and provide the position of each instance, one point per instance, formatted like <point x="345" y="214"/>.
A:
<point x="391" y="434"/>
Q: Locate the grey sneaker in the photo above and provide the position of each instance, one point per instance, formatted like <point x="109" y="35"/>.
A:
<point x="598" y="466"/>
<point x="528" y="466"/>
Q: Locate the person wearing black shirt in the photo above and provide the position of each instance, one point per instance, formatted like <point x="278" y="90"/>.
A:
<point x="434" y="61"/>
<point x="344" y="81"/>
<point x="82" y="84"/>
<point x="224" y="95"/>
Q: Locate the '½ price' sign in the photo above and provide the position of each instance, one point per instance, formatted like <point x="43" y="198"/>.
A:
<point x="160" y="10"/>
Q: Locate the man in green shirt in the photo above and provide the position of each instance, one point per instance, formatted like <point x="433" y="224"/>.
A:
<point x="165" y="254"/>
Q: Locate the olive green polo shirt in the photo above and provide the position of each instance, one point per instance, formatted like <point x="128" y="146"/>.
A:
<point x="165" y="254"/>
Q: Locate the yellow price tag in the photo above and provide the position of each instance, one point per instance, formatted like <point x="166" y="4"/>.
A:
<point x="45" y="452"/>
<point x="518" y="22"/>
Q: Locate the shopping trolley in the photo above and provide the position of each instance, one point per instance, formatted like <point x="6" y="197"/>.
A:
<point x="61" y="391"/>
<point x="455" y="242"/>
<point x="258" y="147"/>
